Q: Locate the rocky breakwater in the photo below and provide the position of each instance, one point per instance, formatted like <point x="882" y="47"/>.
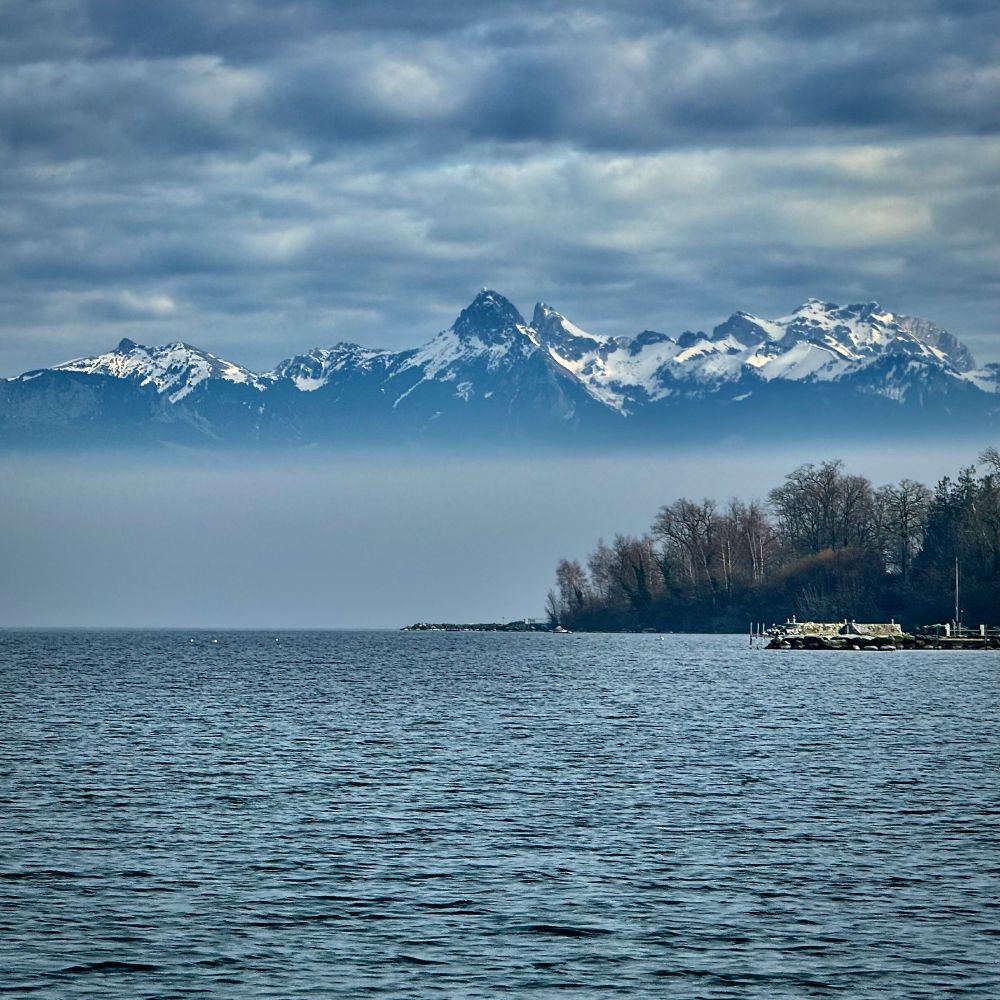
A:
<point x="525" y="625"/>
<point x="881" y="638"/>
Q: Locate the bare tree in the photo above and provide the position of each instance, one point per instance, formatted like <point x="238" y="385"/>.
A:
<point x="603" y="578"/>
<point x="905" y="518"/>
<point x="819" y="507"/>
<point x="571" y="579"/>
<point x="690" y="532"/>
<point x="990" y="457"/>
<point x="553" y="610"/>
<point x="752" y="541"/>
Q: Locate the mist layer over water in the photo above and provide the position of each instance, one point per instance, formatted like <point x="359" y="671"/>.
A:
<point x="328" y="539"/>
<point x="420" y="814"/>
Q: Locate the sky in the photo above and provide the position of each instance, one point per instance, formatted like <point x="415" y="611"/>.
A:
<point x="258" y="178"/>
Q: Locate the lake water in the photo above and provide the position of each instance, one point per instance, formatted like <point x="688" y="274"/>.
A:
<point x="340" y="814"/>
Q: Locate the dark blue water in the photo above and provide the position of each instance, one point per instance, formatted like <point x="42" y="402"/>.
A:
<point x="476" y="815"/>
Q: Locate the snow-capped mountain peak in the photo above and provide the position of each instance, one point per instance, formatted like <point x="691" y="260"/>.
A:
<point x="312" y="370"/>
<point x="489" y="356"/>
<point x="818" y="342"/>
<point x="565" y="339"/>
<point x="489" y="330"/>
<point x="585" y="355"/>
<point x="835" y="338"/>
<point x="490" y="319"/>
<point x="173" y="370"/>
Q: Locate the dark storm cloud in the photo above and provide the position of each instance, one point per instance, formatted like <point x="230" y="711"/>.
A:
<point x="189" y="76"/>
<point x="259" y="177"/>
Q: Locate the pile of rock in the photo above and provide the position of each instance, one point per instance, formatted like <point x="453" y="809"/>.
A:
<point x="884" y="643"/>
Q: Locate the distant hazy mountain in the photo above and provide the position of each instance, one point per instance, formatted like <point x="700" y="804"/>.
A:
<point x="493" y="376"/>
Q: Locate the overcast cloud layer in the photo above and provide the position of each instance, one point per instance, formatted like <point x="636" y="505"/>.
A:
<point x="258" y="178"/>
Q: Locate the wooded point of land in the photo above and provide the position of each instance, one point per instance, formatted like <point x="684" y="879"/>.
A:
<point x="826" y="545"/>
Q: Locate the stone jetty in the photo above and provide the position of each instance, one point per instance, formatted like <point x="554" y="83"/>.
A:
<point x="880" y="636"/>
<point x="519" y="625"/>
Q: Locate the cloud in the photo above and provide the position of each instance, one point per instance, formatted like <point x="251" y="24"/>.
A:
<point x="113" y="305"/>
<point x="295" y="174"/>
<point x="186" y="77"/>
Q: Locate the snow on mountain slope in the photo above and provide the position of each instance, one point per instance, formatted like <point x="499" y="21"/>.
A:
<point x="584" y="355"/>
<point x="620" y="372"/>
<point x="802" y="360"/>
<point x="489" y="341"/>
<point x="566" y="339"/>
<point x="492" y="369"/>
<point x="987" y="378"/>
<point x="314" y="369"/>
<point x="172" y="369"/>
<point x="489" y="338"/>
<point x="821" y="341"/>
<point x="489" y="330"/>
<point x="818" y="342"/>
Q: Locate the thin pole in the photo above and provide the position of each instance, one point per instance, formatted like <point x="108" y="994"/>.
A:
<point x="956" y="594"/>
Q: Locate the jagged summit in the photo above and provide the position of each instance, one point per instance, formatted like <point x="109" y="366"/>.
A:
<point x="490" y="318"/>
<point x="553" y="326"/>
<point x="854" y="334"/>
<point x="818" y="342"/>
<point x="933" y="336"/>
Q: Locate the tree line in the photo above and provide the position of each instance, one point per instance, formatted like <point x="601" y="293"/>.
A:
<point x="825" y="545"/>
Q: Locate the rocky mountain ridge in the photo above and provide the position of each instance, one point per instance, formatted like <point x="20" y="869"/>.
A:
<point x="494" y="374"/>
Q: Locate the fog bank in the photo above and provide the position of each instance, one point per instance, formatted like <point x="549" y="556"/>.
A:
<point x="323" y="540"/>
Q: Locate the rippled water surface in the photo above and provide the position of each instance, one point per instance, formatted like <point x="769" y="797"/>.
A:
<point x="476" y="815"/>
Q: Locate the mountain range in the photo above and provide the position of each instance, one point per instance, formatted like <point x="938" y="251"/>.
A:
<point x="494" y="376"/>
